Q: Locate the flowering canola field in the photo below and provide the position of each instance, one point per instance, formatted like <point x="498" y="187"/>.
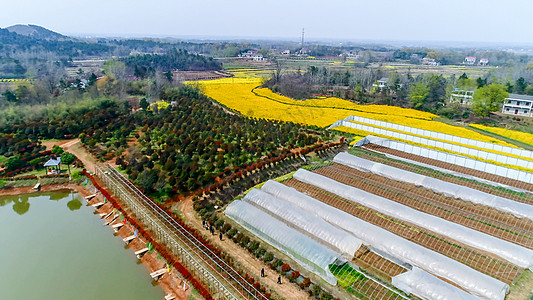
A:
<point x="241" y="94"/>
<point x="523" y="137"/>
<point x="238" y="94"/>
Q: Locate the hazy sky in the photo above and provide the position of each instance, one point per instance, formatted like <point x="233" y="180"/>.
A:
<point x="434" y="20"/>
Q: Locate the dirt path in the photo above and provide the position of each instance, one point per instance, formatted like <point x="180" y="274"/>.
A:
<point x="251" y="264"/>
<point x="75" y="147"/>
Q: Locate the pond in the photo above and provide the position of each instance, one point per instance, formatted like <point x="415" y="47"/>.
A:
<point x="54" y="247"/>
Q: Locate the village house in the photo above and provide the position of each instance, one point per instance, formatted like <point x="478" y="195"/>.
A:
<point x="248" y="54"/>
<point x="430" y="62"/>
<point x="462" y="97"/>
<point x="258" y="57"/>
<point x="520" y="105"/>
<point x="382" y="83"/>
<point x="469" y="60"/>
<point x="483" y="62"/>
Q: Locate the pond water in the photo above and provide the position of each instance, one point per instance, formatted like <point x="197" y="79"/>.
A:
<point x="53" y="247"/>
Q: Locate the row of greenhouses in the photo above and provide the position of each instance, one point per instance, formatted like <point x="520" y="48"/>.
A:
<point x="449" y="189"/>
<point x="317" y="235"/>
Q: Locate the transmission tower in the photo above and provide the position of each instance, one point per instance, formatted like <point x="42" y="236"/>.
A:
<point x="302" y="38"/>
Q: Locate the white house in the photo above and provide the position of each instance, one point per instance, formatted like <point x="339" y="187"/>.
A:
<point x="470" y="60"/>
<point x="286" y="52"/>
<point x="462" y="97"/>
<point x="258" y="57"/>
<point x="483" y="61"/>
<point x="520" y="105"/>
<point x="382" y="83"/>
<point x="430" y="61"/>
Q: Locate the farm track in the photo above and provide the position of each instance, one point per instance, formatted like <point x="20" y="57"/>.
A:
<point x="520" y="197"/>
<point x="478" y="217"/>
<point x="217" y="266"/>
<point x="483" y="262"/>
<point x="376" y="264"/>
<point x="452" y="167"/>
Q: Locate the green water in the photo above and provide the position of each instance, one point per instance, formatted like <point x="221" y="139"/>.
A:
<point x="53" y="247"/>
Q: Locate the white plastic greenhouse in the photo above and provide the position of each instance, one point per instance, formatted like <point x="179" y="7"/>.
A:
<point x="416" y="281"/>
<point x="426" y="286"/>
<point x="449" y="189"/>
<point x="504" y="159"/>
<point x="335" y="238"/>
<point x="450" y="158"/>
<point x="513" y="253"/>
<point x="308" y="253"/>
<point x="438" y="135"/>
<point x="475" y="282"/>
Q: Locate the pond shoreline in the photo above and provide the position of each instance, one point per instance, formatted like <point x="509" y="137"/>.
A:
<point x="170" y="283"/>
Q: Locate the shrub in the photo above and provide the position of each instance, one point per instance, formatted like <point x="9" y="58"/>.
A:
<point x="305" y="283"/>
<point x="253" y="246"/>
<point x="219" y="224"/>
<point x="268" y="257"/>
<point x="316" y="290"/>
<point x="244" y="241"/>
<point x="325" y="296"/>
<point x="260" y="252"/>
<point x="238" y="238"/>
<point x="285" y="268"/>
<point x="277" y="263"/>
<point x="232" y="233"/>
<point x="225" y="228"/>
<point x="295" y="275"/>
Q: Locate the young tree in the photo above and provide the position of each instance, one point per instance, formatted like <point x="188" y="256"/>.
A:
<point x="143" y="104"/>
<point x="57" y="150"/>
<point x="9" y="96"/>
<point x="488" y="98"/>
<point x="68" y="158"/>
<point x="418" y="94"/>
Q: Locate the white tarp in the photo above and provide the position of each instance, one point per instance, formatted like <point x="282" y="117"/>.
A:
<point x="426" y="286"/>
<point x="475" y="282"/>
<point x="447" y="188"/>
<point x="308" y="253"/>
<point x="513" y="253"/>
<point x="335" y="238"/>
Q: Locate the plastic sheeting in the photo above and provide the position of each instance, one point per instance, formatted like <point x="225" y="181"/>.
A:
<point x="513" y="253"/>
<point x="452" y="159"/>
<point x="335" y="238"/>
<point x="504" y="159"/>
<point x="443" y="136"/>
<point x="476" y="283"/>
<point x="308" y="253"/>
<point x="364" y="141"/>
<point x="447" y="188"/>
<point x="427" y="286"/>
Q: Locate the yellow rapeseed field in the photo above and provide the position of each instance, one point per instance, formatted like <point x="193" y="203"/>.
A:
<point x="241" y="94"/>
<point x="238" y="94"/>
<point x="523" y="137"/>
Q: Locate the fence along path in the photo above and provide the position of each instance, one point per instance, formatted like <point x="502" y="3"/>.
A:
<point x="221" y="279"/>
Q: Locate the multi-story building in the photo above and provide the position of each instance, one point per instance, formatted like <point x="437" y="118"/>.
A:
<point x="462" y="97"/>
<point x="520" y="105"/>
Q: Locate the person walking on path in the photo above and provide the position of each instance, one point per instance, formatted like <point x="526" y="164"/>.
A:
<point x="262" y="272"/>
<point x="220" y="236"/>
<point x="279" y="279"/>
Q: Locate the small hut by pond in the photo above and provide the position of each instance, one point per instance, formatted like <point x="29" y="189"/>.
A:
<point x="52" y="166"/>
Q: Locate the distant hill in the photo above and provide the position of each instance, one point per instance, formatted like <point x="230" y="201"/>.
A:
<point x="36" y="32"/>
